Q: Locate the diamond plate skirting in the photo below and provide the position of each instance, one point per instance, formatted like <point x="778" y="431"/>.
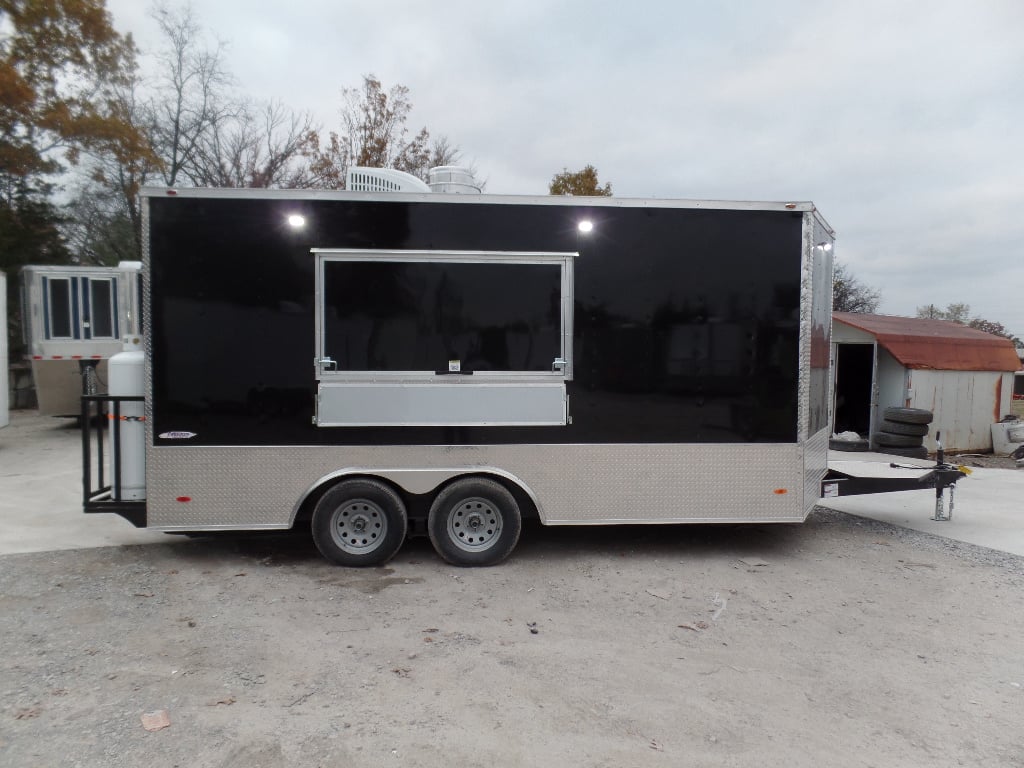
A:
<point x="815" y="467"/>
<point x="260" y="487"/>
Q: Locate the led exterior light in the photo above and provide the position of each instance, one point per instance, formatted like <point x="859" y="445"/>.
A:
<point x="295" y="221"/>
<point x="586" y="226"/>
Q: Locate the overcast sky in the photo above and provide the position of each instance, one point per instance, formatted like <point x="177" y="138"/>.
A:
<point x="900" y="120"/>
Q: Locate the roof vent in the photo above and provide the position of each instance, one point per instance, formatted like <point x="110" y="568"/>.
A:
<point x="453" y="179"/>
<point x="382" y="180"/>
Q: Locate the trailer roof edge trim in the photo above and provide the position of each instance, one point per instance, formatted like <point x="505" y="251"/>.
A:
<point x="484" y="199"/>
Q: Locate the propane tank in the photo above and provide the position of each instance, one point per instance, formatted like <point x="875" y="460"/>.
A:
<point x="126" y="376"/>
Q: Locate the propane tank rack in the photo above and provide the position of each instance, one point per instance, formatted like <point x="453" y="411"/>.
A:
<point x="98" y="413"/>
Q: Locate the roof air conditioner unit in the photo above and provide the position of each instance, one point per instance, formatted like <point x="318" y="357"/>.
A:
<point x="382" y="180"/>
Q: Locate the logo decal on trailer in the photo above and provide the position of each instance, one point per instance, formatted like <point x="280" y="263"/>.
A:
<point x="176" y="435"/>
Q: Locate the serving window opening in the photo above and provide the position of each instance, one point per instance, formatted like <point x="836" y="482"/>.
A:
<point x="443" y="338"/>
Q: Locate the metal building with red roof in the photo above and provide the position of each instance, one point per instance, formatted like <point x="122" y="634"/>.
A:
<point x="963" y="375"/>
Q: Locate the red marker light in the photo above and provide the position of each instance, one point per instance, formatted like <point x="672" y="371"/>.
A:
<point x="184" y="499"/>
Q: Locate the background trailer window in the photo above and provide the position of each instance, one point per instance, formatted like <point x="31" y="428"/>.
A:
<point x="102" y="306"/>
<point x="58" y="308"/>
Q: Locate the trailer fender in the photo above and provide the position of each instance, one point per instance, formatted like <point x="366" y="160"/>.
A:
<point x="414" y="481"/>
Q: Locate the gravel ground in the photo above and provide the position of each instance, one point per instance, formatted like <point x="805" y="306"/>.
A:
<point x="987" y="460"/>
<point x="838" y="642"/>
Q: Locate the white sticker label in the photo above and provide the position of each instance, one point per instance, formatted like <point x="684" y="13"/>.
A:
<point x="176" y="435"/>
<point x="454" y="366"/>
<point x="830" y="491"/>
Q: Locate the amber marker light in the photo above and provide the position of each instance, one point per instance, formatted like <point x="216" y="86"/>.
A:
<point x="780" y="491"/>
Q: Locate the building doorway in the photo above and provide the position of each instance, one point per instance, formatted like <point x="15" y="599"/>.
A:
<point x="854" y="376"/>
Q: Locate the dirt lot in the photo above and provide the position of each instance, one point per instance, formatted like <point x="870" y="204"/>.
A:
<point x="839" y="642"/>
<point x="986" y="460"/>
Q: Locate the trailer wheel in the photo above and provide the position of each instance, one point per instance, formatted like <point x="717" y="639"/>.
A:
<point x="474" y="521"/>
<point x="359" y="523"/>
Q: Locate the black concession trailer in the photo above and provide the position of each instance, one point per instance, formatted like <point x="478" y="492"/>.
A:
<point x="377" y="363"/>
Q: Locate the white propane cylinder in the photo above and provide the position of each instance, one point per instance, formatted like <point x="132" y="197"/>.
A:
<point x="126" y="376"/>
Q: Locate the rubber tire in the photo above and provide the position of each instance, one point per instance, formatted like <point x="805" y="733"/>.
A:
<point x="848" y="445"/>
<point x="446" y="504"/>
<point x="377" y="493"/>
<point x="899" y="428"/>
<point x="908" y="415"/>
<point x="897" y="441"/>
<point x="920" y="452"/>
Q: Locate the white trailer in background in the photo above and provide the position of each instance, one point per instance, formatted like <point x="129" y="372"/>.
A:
<point x="4" y="362"/>
<point x="75" y="319"/>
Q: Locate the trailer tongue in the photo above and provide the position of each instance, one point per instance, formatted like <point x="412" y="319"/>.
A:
<point x="869" y="475"/>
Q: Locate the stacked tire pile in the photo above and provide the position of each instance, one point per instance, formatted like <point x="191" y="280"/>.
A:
<point x="902" y="432"/>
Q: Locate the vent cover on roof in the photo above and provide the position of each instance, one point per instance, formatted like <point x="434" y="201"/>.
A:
<point x="453" y="179"/>
<point x="382" y="180"/>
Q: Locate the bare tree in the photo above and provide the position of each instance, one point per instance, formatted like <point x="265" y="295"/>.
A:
<point x="104" y="218"/>
<point x="258" y="148"/>
<point x="375" y="127"/>
<point x="197" y="132"/>
<point x="375" y="134"/>
<point x="442" y="152"/>
<point x="960" y="313"/>
<point x="851" y="295"/>
<point x="954" y="313"/>
<point x="192" y="94"/>
<point x="98" y="227"/>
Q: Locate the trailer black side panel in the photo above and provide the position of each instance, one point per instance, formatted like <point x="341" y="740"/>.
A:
<point x="686" y="319"/>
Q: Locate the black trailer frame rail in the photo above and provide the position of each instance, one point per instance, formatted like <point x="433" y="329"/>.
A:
<point x="100" y="412"/>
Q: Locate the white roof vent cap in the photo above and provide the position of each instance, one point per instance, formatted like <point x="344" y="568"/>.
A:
<point x="453" y="179"/>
